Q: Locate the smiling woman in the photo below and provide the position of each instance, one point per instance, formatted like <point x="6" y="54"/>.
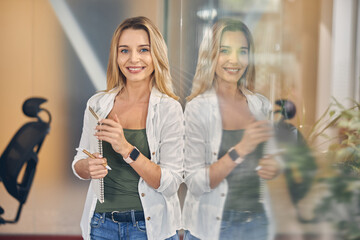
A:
<point x="233" y="57"/>
<point x="140" y="131"/>
<point x="225" y="131"/>
<point x="134" y="58"/>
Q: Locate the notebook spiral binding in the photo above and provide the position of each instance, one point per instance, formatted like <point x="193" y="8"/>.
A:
<point x="100" y="149"/>
<point x="269" y="147"/>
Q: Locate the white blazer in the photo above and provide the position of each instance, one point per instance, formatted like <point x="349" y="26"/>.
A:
<point x="165" y="134"/>
<point x="203" y="206"/>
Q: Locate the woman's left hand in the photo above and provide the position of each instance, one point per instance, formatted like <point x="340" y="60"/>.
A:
<point x="268" y="168"/>
<point x="111" y="131"/>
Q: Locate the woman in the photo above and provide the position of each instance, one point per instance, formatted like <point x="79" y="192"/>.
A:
<point x="141" y="133"/>
<point x="225" y="133"/>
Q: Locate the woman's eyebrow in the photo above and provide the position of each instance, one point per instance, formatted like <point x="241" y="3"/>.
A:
<point x="142" y="45"/>
<point x="224" y="46"/>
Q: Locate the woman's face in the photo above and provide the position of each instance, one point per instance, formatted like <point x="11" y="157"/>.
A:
<point x="233" y="57"/>
<point x="134" y="58"/>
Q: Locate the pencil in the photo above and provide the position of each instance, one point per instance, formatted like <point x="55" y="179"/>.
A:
<point x="92" y="156"/>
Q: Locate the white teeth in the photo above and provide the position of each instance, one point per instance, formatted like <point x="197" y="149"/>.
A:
<point x="232" y="69"/>
<point x="135" y="69"/>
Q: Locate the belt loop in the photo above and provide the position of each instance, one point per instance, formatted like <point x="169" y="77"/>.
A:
<point x="133" y="217"/>
<point x="103" y="217"/>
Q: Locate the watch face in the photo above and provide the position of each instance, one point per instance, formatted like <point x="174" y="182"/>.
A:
<point x="233" y="155"/>
<point x="134" y="154"/>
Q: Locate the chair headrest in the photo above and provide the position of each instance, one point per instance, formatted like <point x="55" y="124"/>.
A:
<point x="31" y="106"/>
<point x="288" y="109"/>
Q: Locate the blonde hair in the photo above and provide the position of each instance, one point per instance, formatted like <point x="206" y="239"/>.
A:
<point x="208" y="55"/>
<point x="161" y="77"/>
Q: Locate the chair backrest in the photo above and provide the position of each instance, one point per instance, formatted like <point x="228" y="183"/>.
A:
<point x="22" y="152"/>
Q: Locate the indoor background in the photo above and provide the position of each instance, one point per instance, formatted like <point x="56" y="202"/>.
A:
<point x="306" y="50"/>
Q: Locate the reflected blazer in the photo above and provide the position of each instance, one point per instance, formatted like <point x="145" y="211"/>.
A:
<point x="203" y="206"/>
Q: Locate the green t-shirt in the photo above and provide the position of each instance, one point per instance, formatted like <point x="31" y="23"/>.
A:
<point x="243" y="181"/>
<point x="121" y="183"/>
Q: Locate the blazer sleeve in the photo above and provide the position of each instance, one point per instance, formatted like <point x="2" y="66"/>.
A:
<point x="86" y="135"/>
<point x="196" y="148"/>
<point x="171" y="147"/>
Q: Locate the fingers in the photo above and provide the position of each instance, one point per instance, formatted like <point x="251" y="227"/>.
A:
<point x="268" y="168"/>
<point x="258" y="136"/>
<point x="97" y="167"/>
<point x="97" y="155"/>
<point x="260" y="127"/>
<point x="110" y="122"/>
<point x="256" y="133"/>
<point x="109" y="130"/>
<point x="108" y="125"/>
<point x="108" y="134"/>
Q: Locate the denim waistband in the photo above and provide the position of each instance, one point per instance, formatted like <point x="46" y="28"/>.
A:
<point x="128" y="216"/>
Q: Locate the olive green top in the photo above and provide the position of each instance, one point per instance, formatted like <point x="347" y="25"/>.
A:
<point x="243" y="181"/>
<point x="121" y="183"/>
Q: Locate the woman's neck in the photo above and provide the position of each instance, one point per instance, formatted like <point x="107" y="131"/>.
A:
<point x="227" y="90"/>
<point x="136" y="91"/>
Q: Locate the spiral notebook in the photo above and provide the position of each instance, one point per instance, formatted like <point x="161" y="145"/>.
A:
<point x="98" y="184"/>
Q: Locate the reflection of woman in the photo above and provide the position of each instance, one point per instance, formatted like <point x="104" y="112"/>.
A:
<point x="225" y="132"/>
<point x="142" y="137"/>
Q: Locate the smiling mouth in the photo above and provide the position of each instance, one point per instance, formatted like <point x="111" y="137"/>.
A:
<point x="135" y="69"/>
<point x="232" y="70"/>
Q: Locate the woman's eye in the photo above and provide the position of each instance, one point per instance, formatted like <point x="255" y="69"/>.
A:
<point x="243" y="52"/>
<point x="144" y="50"/>
<point x="224" y="51"/>
<point x="124" y="51"/>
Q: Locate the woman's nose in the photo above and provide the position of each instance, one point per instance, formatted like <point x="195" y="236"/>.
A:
<point x="233" y="57"/>
<point x="134" y="56"/>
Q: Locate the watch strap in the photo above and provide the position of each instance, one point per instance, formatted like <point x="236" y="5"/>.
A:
<point x="133" y="155"/>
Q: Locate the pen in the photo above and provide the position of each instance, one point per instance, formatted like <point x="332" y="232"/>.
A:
<point x="92" y="156"/>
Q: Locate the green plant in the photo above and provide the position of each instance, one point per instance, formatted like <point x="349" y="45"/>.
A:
<point x="341" y="205"/>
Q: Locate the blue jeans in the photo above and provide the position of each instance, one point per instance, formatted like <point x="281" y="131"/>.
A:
<point x="105" y="228"/>
<point x="243" y="226"/>
<point x="240" y="226"/>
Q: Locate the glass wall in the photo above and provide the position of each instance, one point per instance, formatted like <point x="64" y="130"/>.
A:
<point x="306" y="52"/>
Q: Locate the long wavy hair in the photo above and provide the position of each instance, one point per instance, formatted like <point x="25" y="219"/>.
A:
<point x="161" y="77"/>
<point x="209" y="53"/>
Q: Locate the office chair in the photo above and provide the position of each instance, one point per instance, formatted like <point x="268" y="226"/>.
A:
<point x="21" y="155"/>
<point x="300" y="163"/>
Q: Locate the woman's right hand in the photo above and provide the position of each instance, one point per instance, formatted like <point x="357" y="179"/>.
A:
<point x="256" y="133"/>
<point x="92" y="168"/>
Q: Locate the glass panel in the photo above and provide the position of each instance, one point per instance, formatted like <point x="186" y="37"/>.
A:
<point x="59" y="49"/>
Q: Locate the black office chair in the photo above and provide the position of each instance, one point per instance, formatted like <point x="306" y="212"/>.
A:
<point x="300" y="163"/>
<point x="22" y="153"/>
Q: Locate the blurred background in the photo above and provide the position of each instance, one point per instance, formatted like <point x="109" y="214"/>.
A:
<point x="308" y="51"/>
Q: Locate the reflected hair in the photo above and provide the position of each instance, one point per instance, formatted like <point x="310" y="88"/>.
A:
<point x="161" y="77"/>
<point x="205" y="76"/>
